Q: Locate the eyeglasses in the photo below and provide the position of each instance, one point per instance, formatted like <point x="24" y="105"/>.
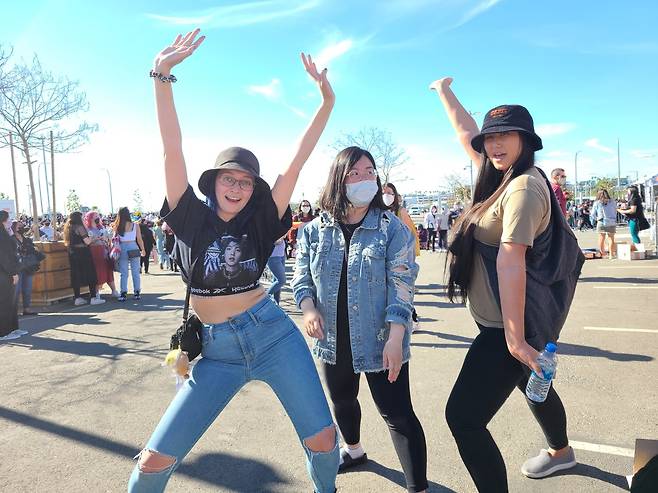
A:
<point x="229" y="181"/>
<point x="367" y="174"/>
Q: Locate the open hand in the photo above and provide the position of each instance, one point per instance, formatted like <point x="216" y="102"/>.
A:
<point x="319" y="77"/>
<point x="179" y="50"/>
<point x="441" y="84"/>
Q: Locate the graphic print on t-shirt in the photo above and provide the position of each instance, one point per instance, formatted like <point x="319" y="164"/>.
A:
<point x="229" y="267"/>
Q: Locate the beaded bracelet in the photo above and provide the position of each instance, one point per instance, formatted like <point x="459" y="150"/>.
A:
<point x="163" y="78"/>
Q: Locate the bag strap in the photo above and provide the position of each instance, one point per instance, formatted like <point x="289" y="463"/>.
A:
<point x="188" y="292"/>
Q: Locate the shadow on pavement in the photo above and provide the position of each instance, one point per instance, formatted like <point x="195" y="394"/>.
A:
<point x="218" y="469"/>
<point x="630" y="280"/>
<point x="577" y="350"/>
<point x="234" y="473"/>
<point x="594" y="472"/>
<point x="397" y="477"/>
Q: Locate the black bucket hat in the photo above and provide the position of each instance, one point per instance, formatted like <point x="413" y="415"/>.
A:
<point x="237" y="158"/>
<point x="506" y="118"/>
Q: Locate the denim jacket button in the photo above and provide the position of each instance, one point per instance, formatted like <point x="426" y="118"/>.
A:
<point x="355" y="307"/>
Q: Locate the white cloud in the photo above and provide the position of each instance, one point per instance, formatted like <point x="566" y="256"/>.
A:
<point x="595" y="144"/>
<point x="644" y="153"/>
<point x="274" y="92"/>
<point x="239" y="14"/>
<point x="271" y="91"/>
<point x="552" y="129"/>
<point x="331" y="52"/>
<point x="472" y="13"/>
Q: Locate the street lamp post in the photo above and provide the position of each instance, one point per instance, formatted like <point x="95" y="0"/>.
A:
<point x="109" y="181"/>
<point x="45" y="173"/>
<point x="575" y="165"/>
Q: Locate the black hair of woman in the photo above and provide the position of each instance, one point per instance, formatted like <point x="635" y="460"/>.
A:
<point x="490" y="185"/>
<point x="395" y="206"/>
<point x="333" y="198"/>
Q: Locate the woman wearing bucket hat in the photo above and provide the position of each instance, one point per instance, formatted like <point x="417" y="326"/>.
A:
<point x="512" y="209"/>
<point x="245" y="335"/>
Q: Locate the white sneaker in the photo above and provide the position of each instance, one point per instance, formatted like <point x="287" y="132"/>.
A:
<point x="80" y="302"/>
<point x="115" y="294"/>
<point x="97" y="301"/>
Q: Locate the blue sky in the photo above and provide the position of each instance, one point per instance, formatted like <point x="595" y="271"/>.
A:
<point x="586" y="70"/>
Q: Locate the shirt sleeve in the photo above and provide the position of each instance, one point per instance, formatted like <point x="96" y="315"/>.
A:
<point x="272" y="226"/>
<point x="523" y="211"/>
<point x="187" y="217"/>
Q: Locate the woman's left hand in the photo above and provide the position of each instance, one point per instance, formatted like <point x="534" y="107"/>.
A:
<point x="392" y="356"/>
<point x="327" y="92"/>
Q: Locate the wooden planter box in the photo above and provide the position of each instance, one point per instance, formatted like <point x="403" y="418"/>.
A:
<point x="53" y="281"/>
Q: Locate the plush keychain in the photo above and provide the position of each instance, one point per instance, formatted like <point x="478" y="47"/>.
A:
<point x="179" y="363"/>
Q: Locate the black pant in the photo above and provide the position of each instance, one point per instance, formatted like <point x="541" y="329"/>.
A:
<point x="393" y="401"/>
<point x="431" y="238"/>
<point x="486" y="380"/>
<point x="443" y="239"/>
<point x="144" y="261"/>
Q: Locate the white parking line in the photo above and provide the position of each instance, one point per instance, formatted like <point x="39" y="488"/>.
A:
<point x="625" y="287"/>
<point x="602" y="449"/>
<point x="628" y="267"/>
<point x="618" y="329"/>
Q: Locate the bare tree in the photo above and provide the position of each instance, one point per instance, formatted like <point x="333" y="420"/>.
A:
<point x="388" y="155"/>
<point x="460" y="191"/>
<point x="34" y="103"/>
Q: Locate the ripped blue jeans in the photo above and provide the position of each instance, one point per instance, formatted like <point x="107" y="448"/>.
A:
<point x="263" y="344"/>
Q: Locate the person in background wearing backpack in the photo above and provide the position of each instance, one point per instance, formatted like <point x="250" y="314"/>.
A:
<point x="354" y="281"/>
<point x="511" y="209"/>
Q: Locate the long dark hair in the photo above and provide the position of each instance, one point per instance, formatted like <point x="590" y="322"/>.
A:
<point x="395" y="206"/>
<point x="119" y="224"/>
<point x="75" y="219"/>
<point x="490" y="185"/>
<point x="334" y="196"/>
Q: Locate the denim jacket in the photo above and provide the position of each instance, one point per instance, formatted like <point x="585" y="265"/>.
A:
<point x="381" y="273"/>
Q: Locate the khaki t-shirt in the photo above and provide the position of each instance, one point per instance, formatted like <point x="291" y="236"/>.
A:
<point x="519" y="215"/>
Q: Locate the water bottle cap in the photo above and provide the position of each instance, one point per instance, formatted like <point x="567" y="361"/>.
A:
<point x="551" y="347"/>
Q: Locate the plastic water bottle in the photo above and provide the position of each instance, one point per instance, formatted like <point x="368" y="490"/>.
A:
<point x="538" y="386"/>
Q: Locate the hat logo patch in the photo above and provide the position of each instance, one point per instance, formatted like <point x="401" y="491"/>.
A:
<point x="498" y="112"/>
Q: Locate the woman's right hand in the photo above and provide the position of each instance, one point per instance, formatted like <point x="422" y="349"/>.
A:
<point x="313" y="323"/>
<point x="441" y="85"/>
<point x="527" y="355"/>
<point x="179" y="50"/>
<point x="15" y="279"/>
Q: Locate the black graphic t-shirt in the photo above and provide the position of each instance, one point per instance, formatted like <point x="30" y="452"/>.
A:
<point x="230" y="256"/>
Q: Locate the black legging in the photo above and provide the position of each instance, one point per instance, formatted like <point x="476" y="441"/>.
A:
<point x="431" y="238"/>
<point x="486" y="380"/>
<point x="393" y="401"/>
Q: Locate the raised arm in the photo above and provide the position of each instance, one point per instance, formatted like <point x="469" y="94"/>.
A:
<point x="463" y="123"/>
<point x="285" y="183"/>
<point x="172" y="55"/>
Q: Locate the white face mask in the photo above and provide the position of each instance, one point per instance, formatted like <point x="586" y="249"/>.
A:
<point x="306" y="209"/>
<point x="562" y="181"/>
<point x="361" y="194"/>
<point x="388" y="198"/>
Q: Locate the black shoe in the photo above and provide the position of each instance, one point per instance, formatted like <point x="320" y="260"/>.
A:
<point x="123" y="297"/>
<point x="348" y="462"/>
<point x="137" y="296"/>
